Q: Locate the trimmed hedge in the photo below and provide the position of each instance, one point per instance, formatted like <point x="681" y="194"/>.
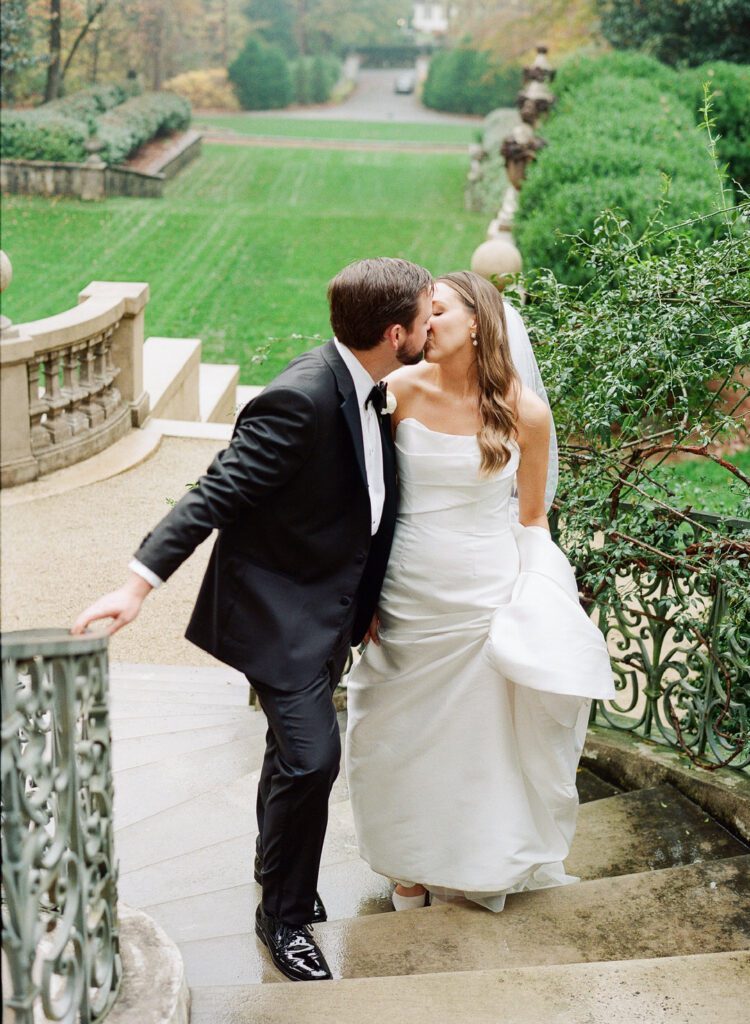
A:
<point x="124" y="129"/>
<point x="37" y="135"/>
<point x="612" y="153"/>
<point x="87" y="104"/>
<point x="58" y="130"/>
<point x="466" y="81"/>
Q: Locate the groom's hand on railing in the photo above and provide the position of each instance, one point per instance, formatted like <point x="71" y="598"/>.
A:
<point x="121" y="605"/>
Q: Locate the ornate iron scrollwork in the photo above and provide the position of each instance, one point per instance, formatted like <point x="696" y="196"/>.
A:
<point x="59" y="913"/>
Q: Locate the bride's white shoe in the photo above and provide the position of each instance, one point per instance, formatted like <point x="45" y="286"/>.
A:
<point x="408" y="902"/>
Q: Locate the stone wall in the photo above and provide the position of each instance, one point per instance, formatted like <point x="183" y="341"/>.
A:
<point x="93" y="179"/>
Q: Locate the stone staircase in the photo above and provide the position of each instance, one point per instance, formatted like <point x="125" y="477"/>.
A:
<point x="657" y="930"/>
<point x="181" y="387"/>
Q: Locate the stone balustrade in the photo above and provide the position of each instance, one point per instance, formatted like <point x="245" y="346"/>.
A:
<point x="72" y="384"/>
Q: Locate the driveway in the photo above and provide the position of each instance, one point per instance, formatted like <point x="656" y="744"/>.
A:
<point x="374" y="100"/>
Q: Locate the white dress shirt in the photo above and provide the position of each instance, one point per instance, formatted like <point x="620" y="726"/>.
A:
<point x="371" y="439"/>
<point x="371" y="436"/>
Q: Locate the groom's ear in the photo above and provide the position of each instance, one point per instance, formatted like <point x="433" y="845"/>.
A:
<point x="393" y="335"/>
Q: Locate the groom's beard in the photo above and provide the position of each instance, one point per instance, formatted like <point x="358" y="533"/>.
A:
<point x="410" y="359"/>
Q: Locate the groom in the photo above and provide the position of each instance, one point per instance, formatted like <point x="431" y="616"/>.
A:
<point x="304" y="501"/>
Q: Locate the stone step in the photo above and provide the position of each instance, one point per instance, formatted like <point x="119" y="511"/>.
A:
<point x="174" y="678"/>
<point x="645" y="830"/>
<point x="135" y="722"/>
<point x="136" y="751"/>
<point x="591" y="787"/>
<point x="214" y="836"/>
<point x="701" y="908"/>
<point x="150" y="789"/>
<point x="171" y="368"/>
<point x="217" y="398"/>
<point x="701" y="989"/>
<point x="245" y="393"/>
<point x="348" y="889"/>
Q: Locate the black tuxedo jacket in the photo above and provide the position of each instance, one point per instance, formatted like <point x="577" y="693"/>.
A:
<point x="294" y="562"/>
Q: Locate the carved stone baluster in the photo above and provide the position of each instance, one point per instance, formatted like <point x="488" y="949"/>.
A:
<point x="90" y="407"/>
<point x="110" y="398"/>
<point x="37" y="407"/>
<point x="57" y="424"/>
<point x="72" y="390"/>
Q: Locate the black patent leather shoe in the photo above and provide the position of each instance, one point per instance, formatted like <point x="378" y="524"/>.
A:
<point x="292" y="948"/>
<point x="319" y="911"/>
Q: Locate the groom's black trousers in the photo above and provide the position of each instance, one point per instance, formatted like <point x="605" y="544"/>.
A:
<point x="303" y="755"/>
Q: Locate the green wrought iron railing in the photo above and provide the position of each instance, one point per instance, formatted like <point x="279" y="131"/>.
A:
<point x="679" y="685"/>
<point x="59" y="875"/>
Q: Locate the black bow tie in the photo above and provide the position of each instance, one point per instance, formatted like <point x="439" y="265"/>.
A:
<point x="378" y="397"/>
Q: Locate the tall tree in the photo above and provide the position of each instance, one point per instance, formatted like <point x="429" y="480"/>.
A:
<point x="15" y="45"/>
<point x="680" y="31"/>
<point x="57" y="68"/>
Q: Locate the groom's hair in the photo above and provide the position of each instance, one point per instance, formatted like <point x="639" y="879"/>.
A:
<point x="369" y="296"/>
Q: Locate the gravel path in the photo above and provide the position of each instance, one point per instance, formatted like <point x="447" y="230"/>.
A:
<point x="61" y="553"/>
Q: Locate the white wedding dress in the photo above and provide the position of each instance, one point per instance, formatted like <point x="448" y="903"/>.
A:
<point x="459" y="779"/>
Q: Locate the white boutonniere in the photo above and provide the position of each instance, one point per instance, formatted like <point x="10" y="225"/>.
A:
<point x="390" y="404"/>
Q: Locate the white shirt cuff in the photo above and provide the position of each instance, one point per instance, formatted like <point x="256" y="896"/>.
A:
<point x="145" y="573"/>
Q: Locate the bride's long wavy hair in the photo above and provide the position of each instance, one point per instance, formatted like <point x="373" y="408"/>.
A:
<point x="497" y="377"/>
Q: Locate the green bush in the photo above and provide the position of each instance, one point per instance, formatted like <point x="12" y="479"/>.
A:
<point x="466" y="81"/>
<point x="124" y="129"/>
<point x="261" y="76"/>
<point x="39" y="135"/>
<point x="679" y="31"/>
<point x="87" y="104"/>
<point x="314" y="78"/>
<point x="612" y="155"/>
<point x="729" y="82"/>
<point x="583" y="68"/>
<point x="730" y="107"/>
<point x="58" y="130"/>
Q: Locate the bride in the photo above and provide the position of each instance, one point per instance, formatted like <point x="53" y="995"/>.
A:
<point x="462" y="782"/>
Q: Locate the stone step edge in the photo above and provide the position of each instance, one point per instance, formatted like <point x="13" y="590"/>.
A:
<point x="646" y="989"/>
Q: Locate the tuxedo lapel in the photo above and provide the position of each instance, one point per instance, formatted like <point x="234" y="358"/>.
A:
<point x="349" y="403"/>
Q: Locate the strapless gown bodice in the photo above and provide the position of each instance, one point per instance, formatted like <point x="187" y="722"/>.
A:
<point x="454" y="558"/>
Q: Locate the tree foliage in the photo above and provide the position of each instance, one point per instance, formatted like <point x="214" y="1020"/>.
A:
<point x="642" y="366"/>
<point x="261" y="76"/>
<point x="680" y="31"/>
<point x="468" y="81"/>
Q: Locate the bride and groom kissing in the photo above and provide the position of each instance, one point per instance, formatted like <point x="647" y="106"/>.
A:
<point x="348" y="512"/>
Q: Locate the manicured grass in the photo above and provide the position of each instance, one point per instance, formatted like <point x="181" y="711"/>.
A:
<point x="301" y="128"/>
<point x="243" y="244"/>
<point x="707" y="486"/>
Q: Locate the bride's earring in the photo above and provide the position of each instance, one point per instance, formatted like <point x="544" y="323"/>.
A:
<point x="474" y="339"/>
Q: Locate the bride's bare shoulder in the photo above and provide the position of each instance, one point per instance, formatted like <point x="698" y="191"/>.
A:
<point x="533" y="414"/>
<point x="409" y="380"/>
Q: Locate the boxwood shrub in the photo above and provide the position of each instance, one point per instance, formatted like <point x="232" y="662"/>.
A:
<point x="122" y="130"/>
<point x="611" y="141"/>
<point x="39" y="135"/>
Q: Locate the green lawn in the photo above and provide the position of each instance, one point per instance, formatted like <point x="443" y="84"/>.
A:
<point x="301" y="128"/>
<point x="244" y="242"/>
<point x="707" y="486"/>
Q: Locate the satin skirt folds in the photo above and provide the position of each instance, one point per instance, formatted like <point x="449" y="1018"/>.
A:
<point x="458" y="779"/>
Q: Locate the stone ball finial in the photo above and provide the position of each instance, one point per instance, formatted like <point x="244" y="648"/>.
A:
<point x="6" y="271"/>
<point x="497" y="260"/>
